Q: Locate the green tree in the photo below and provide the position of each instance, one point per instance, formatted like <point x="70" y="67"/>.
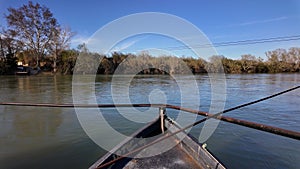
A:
<point x="67" y="62"/>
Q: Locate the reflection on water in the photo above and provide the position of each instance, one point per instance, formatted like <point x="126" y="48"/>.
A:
<point x="32" y="137"/>
<point x="29" y="124"/>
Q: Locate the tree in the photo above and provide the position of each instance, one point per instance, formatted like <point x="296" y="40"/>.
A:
<point x="273" y="61"/>
<point x="248" y="63"/>
<point x="8" y="46"/>
<point x="60" y="41"/>
<point x="68" y="60"/>
<point x="8" y="50"/>
<point x="232" y="66"/>
<point x="87" y="62"/>
<point x="33" y="26"/>
<point x="280" y="60"/>
<point x="215" y="65"/>
<point x="2" y="44"/>
<point x="294" y="58"/>
<point x="196" y="65"/>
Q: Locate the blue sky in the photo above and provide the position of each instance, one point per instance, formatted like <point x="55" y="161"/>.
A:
<point x="219" y="20"/>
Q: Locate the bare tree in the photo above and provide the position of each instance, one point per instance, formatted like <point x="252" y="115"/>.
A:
<point x="2" y="44"/>
<point x="33" y="25"/>
<point x="294" y="58"/>
<point x="8" y="45"/>
<point x="60" y="41"/>
<point x="248" y="63"/>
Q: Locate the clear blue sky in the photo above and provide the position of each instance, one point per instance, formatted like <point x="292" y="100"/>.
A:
<point x="220" y="20"/>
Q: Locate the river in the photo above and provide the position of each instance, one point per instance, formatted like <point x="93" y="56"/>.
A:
<point x="36" y="137"/>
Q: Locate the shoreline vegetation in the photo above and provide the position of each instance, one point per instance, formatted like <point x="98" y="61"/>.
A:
<point x="34" y="40"/>
<point x="279" y="61"/>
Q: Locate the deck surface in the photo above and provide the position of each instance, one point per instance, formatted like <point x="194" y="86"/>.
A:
<point x="174" y="158"/>
<point x="186" y="154"/>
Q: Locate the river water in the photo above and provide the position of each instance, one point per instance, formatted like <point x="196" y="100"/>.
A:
<point x="36" y="137"/>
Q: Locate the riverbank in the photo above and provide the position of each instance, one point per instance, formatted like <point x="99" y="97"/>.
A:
<point x="278" y="61"/>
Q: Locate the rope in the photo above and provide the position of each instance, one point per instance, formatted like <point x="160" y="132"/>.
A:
<point x="217" y="116"/>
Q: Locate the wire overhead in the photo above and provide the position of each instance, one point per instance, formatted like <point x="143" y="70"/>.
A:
<point x="238" y="43"/>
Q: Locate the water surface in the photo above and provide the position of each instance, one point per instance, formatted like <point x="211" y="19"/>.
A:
<point x="32" y="137"/>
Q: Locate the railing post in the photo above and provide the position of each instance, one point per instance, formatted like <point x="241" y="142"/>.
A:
<point x="162" y="111"/>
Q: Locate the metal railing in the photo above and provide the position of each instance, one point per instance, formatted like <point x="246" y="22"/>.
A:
<point x="254" y="125"/>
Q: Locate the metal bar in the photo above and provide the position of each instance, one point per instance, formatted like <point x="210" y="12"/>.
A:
<point x="162" y="111"/>
<point x="258" y="126"/>
<point x="254" y="125"/>
<point x="70" y="105"/>
<point x="262" y="127"/>
<point x="217" y="116"/>
<point x="165" y="136"/>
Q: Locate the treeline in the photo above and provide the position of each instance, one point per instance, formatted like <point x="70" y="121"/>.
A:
<point x="278" y="61"/>
<point x="33" y="37"/>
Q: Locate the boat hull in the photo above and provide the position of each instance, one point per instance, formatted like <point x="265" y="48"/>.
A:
<point x="186" y="152"/>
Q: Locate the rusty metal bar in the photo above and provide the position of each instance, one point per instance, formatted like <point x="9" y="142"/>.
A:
<point x="258" y="126"/>
<point x="262" y="127"/>
<point x="217" y="115"/>
<point x="254" y="125"/>
<point x="70" y="105"/>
